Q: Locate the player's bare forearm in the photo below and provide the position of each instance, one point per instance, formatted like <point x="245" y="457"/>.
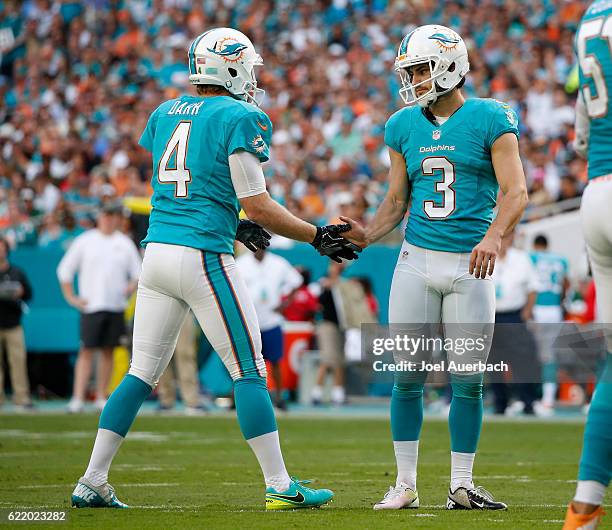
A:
<point x="266" y="212"/>
<point x="389" y="214"/>
<point x="510" y="210"/>
<point x="511" y="178"/>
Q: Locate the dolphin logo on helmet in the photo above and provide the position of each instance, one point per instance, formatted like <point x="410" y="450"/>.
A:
<point x="446" y="42"/>
<point x="226" y="57"/>
<point x="231" y="52"/>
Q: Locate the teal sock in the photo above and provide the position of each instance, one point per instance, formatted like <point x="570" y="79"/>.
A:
<point x="549" y="372"/>
<point x="465" y="416"/>
<point x="596" y="460"/>
<point x="254" y="407"/>
<point x="406" y="411"/>
<point x="123" y="405"/>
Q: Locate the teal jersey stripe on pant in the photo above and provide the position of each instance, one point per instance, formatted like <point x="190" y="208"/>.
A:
<point x="231" y="314"/>
<point x="240" y="312"/>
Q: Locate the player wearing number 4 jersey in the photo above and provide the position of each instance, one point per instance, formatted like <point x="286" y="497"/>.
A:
<point x="449" y="157"/>
<point x="594" y="142"/>
<point x="207" y="152"/>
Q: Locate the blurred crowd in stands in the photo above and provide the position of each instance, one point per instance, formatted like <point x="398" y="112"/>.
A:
<point x="79" y="79"/>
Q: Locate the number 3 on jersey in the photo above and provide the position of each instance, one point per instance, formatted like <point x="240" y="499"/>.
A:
<point x="429" y="166"/>
<point x="179" y="175"/>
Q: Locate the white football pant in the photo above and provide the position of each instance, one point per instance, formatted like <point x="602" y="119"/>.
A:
<point x="596" y="214"/>
<point x="175" y="278"/>
<point x="430" y="286"/>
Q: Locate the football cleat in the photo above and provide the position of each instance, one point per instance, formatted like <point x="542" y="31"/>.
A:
<point x="75" y="406"/>
<point x="398" y="497"/>
<point x="472" y="499"/>
<point x="297" y="496"/>
<point x="86" y="495"/>
<point x="578" y="521"/>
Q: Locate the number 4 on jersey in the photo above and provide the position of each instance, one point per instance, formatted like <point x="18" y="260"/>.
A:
<point x="179" y="175"/>
<point x="429" y="166"/>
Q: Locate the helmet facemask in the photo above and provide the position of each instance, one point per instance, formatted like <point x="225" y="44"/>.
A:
<point x="438" y="68"/>
<point x="250" y="92"/>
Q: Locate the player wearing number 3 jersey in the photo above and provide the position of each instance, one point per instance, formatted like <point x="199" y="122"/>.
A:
<point x="449" y="158"/>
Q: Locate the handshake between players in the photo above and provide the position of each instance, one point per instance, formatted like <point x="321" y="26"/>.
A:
<point x="328" y="240"/>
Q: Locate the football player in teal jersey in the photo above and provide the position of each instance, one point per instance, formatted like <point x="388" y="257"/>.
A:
<point x="207" y="151"/>
<point x="449" y="156"/>
<point x="594" y="142"/>
<point x="552" y="271"/>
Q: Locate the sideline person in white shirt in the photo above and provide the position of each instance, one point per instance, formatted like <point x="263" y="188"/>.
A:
<point x="108" y="266"/>
<point x="268" y="278"/>
<point x="516" y="287"/>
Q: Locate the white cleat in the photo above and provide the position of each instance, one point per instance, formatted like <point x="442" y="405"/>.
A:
<point x="75" y="406"/>
<point x="398" y="497"/>
<point x="86" y="495"/>
<point x="472" y="499"/>
<point x="543" y="410"/>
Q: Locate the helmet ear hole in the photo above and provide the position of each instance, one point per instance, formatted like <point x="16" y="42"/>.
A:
<point x="452" y="67"/>
<point x="233" y="72"/>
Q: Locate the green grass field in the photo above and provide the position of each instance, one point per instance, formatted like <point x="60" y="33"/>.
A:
<point x="198" y="472"/>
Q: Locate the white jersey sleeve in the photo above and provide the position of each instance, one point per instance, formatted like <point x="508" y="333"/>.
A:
<point x="247" y="174"/>
<point x="583" y="127"/>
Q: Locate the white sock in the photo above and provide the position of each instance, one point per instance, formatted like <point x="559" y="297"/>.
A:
<point x="338" y="394"/>
<point x="406" y="456"/>
<point x="461" y="470"/>
<point x="105" y="448"/>
<point x="590" y="492"/>
<point x="316" y="393"/>
<point x="549" y="392"/>
<point x="268" y="452"/>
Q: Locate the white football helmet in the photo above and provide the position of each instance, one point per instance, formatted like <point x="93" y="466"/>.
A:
<point x="445" y="53"/>
<point x="226" y="57"/>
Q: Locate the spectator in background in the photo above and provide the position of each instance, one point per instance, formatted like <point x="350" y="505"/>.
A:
<point x="552" y="271"/>
<point x="29" y="208"/>
<point x="47" y="194"/>
<point x="16" y="227"/>
<point x="268" y="278"/>
<point x="569" y="188"/>
<point x="312" y="205"/>
<point x="14" y="290"/>
<point x="300" y="305"/>
<point x="108" y="266"/>
<point x="344" y="307"/>
<point x="51" y="231"/>
<point x="366" y="284"/>
<point x="516" y="287"/>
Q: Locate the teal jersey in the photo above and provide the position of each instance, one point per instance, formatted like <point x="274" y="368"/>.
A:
<point x="552" y="272"/>
<point x="594" y="49"/>
<point x="191" y="138"/>
<point x="453" y="185"/>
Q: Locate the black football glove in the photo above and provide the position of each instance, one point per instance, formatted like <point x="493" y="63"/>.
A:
<point x="328" y="242"/>
<point x="252" y="236"/>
